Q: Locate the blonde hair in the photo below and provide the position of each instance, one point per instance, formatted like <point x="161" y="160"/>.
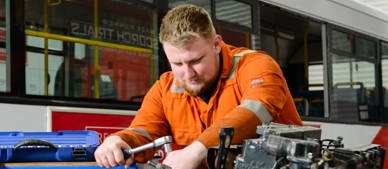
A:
<point x="185" y="23"/>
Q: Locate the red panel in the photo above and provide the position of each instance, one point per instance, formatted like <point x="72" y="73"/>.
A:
<point x="104" y="124"/>
<point x="382" y="139"/>
<point x="2" y="56"/>
<point x="2" y="35"/>
<point x="130" y="72"/>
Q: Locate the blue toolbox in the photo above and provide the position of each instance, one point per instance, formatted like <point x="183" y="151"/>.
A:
<point x="61" y="146"/>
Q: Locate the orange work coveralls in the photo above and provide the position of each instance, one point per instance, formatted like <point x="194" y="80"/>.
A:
<point x="251" y="90"/>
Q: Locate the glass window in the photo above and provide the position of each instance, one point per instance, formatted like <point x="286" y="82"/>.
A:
<point x="384" y="66"/>
<point x="234" y="37"/>
<point x="35" y="73"/>
<point x="38" y="42"/>
<point x="3" y="70"/>
<point x="353" y="90"/>
<point x="341" y="41"/>
<point x="202" y="3"/>
<point x="299" y="53"/>
<point x="103" y="55"/>
<point x="4" y="81"/>
<point x="149" y="1"/>
<point x="365" y="48"/>
<point x="234" y="12"/>
<point x="315" y="77"/>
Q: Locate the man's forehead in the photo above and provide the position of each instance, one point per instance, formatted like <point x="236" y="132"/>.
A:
<point x="185" y="54"/>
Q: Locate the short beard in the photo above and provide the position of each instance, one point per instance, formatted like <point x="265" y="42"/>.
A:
<point x="202" y="87"/>
<point x="195" y="91"/>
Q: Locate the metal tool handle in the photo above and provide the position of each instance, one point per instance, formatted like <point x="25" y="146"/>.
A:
<point x="226" y="135"/>
<point x="156" y="143"/>
<point x="167" y="148"/>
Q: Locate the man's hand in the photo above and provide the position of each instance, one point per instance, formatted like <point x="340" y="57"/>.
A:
<point x="188" y="158"/>
<point x="110" y="154"/>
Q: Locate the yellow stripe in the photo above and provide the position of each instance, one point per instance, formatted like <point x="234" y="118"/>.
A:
<point x="258" y="109"/>
<point x="96" y="74"/>
<point x="141" y="131"/>
<point x="236" y="59"/>
<point x="242" y="53"/>
<point x="87" y="41"/>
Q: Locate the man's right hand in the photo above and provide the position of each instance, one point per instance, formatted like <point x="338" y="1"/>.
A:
<point x="110" y="153"/>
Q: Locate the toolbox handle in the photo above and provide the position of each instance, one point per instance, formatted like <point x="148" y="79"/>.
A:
<point x="35" y="142"/>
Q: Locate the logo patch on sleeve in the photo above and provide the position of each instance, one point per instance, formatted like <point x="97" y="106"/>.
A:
<point x="257" y="81"/>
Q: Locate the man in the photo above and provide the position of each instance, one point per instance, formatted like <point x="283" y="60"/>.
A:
<point x="211" y="85"/>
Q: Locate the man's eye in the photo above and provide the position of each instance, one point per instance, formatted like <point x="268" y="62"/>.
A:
<point x="197" y="61"/>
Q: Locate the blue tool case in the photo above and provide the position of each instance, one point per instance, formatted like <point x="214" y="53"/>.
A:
<point x="62" y="146"/>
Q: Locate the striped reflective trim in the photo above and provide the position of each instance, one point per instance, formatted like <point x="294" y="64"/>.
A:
<point x="235" y="61"/>
<point x="258" y="108"/>
<point x="236" y="58"/>
<point x="141" y="131"/>
<point x="242" y="53"/>
<point x="176" y="89"/>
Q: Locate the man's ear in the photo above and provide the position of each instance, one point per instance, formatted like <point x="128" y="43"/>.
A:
<point x="217" y="43"/>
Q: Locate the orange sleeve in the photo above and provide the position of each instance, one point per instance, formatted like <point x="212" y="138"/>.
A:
<point x="149" y="118"/>
<point x="266" y="85"/>
<point x="243" y="121"/>
<point x="259" y="80"/>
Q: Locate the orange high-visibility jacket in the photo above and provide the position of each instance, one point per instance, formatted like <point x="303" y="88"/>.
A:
<point x="251" y="90"/>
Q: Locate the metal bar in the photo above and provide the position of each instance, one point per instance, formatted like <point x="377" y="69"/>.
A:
<point x="96" y="58"/>
<point x="306" y="50"/>
<point x="8" y="45"/>
<point x="152" y="78"/>
<point x="86" y="41"/>
<point x="327" y="86"/>
<point x="45" y="29"/>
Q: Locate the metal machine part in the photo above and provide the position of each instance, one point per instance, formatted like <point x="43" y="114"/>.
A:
<point x="368" y="156"/>
<point x="156" y="165"/>
<point x="296" y="147"/>
<point x="226" y="135"/>
<point x="289" y="131"/>
<point x="217" y="157"/>
<point x="162" y="141"/>
<point x="274" y="151"/>
<point x="279" y="144"/>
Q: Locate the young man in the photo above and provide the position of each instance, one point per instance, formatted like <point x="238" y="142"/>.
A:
<point x="211" y="85"/>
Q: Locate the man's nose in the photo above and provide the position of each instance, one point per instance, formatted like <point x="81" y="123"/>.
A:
<point x="189" y="71"/>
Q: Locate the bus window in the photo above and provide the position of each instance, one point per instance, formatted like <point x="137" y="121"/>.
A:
<point x="149" y="1"/>
<point x="384" y="66"/>
<point x="233" y="37"/>
<point x="102" y="51"/>
<point x="241" y="13"/>
<point x="353" y="89"/>
<point x="35" y="75"/>
<point x="202" y="3"/>
<point x="295" y="43"/>
<point x="365" y="48"/>
<point x="341" y="41"/>
<point x="4" y="64"/>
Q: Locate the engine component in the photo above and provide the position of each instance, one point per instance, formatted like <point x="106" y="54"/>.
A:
<point x="296" y="147"/>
